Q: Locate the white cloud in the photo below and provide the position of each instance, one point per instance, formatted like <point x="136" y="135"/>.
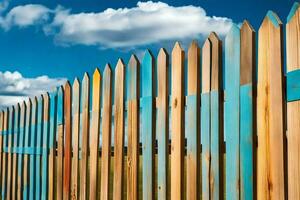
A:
<point x="147" y="23"/>
<point x="15" y="88"/>
<point x="26" y="15"/>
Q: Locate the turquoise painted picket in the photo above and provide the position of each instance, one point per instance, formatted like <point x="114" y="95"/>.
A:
<point x="32" y="150"/>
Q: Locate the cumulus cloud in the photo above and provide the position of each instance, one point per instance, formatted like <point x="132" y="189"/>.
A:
<point x="147" y="23"/>
<point x="26" y="15"/>
<point x="15" y="88"/>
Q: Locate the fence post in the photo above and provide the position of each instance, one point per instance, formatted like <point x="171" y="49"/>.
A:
<point x="270" y="152"/>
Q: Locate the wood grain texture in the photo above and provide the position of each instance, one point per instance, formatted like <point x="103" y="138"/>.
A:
<point x="147" y="125"/>
<point x="205" y="119"/>
<point x="52" y="144"/>
<point x="106" y="133"/>
<point x="119" y="131"/>
<point x="94" y="135"/>
<point x="232" y="112"/>
<point x="162" y="128"/>
<point x="4" y="156"/>
<point x="14" y="154"/>
<point x="32" y="156"/>
<point x="247" y="107"/>
<point x="270" y="174"/>
<point x="60" y="142"/>
<point x="9" y="152"/>
<point x="192" y="124"/>
<point x="39" y="132"/>
<point x="1" y="144"/>
<point x="133" y="127"/>
<point x="45" y="145"/>
<point x="26" y="157"/>
<point x="177" y="151"/>
<point x="216" y="119"/>
<point x="75" y="138"/>
<point x="68" y="141"/>
<point x="85" y="110"/>
<point x="293" y="108"/>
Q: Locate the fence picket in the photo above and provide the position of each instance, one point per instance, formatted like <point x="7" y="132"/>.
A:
<point x="67" y="142"/>
<point x="4" y="156"/>
<point x="177" y="150"/>
<point x="9" y="152"/>
<point x="75" y="138"/>
<point x="119" y="130"/>
<point x="293" y="108"/>
<point x="192" y="125"/>
<point x="94" y="134"/>
<point x="106" y="134"/>
<point x="26" y="145"/>
<point x="133" y="127"/>
<point x="13" y="151"/>
<point x="1" y="144"/>
<point x="246" y="111"/>
<point x="162" y="124"/>
<point x="38" y="147"/>
<point x="270" y="110"/>
<point x="231" y="111"/>
<point x="32" y="156"/>
<point x="85" y="108"/>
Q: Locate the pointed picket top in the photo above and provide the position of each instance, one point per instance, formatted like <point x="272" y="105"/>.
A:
<point x="46" y="106"/>
<point x="133" y="61"/>
<point x="60" y="103"/>
<point x="273" y="18"/>
<point x="96" y="74"/>
<point x="206" y="62"/>
<point x="107" y="70"/>
<point x="120" y="65"/>
<point x="177" y="48"/>
<point x="193" y="68"/>
<point x="76" y="83"/>
<point x="295" y="8"/>
<point x="67" y="86"/>
<point x="147" y="74"/>
<point x="86" y="78"/>
<point x="132" y="77"/>
<point x="23" y="105"/>
<point x="17" y="106"/>
<point x="247" y="26"/>
<point x="162" y="55"/>
<point x="232" y="31"/>
<point x="213" y="37"/>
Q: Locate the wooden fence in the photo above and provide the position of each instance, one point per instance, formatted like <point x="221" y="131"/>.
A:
<point x="231" y="133"/>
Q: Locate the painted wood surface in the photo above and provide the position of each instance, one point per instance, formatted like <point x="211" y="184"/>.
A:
<point x="162" y="128"/>
<point x="205" y="119"/>
<point x="147" y="133"/>
<point x="32" y="156"/>
<point x="39" y="132"/>
<point x="270" y="128"/>
<point x="26" y="144"/>
<point x="106" y="133"/>
<point x="45" y="146"/>
<point x="4" y="156"/>
<point x="67" y="141"/>
<point x="15" y="144"/>
<point x="119" y="131"/>
<point x="177" y="151"/>
<point x="75" y="138"/>
<point x="85" y="110"/>
<point x="94" y="135"/>
<point x="52" y="144"/>
<point x="293" y="108"/>
<point x="1" y="144"/>
<point x="60" y="142"/>
<point x="192" y="124"/>
<point x="9" y="156"/>
<point x="247" y="106"/>
<point x="132" y="79"/>
<point x="232" y="112"/>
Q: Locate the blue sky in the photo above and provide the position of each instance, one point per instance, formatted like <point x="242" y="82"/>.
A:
<point x="42" y="43"/>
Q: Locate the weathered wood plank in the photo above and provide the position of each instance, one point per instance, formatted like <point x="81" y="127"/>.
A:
<point x="68" y="141"/>
<point x="4" y="156"/>
<point x="119" y="131"/>
<point x="232" y="112"/>
<point x="14" y="154"/>
<point x="293" y="108"/>
<point x="44" y="189"/>
<point x="1" y="144"/>
<point x="39" y="133"/>
<point x="177" y="151"/>
<point x="162" y="128"/>
<point x="133" y="127"/>
<point x="85" y="112"/>
<point x="9" y="152"/>
<point x="94" y="135"/>
<point x="205" y="118"/>
<point x="192" y="124"/>
<point x="270" y="168"/>
<point x="26" y="156"/>
<point x="52" y="144"/>
<point x="246" y="111"/>
<point x="147" y="125"/>
<point x="75" y="138"/>
<point x="60" y="142"/>
<point x="32" y="156"/>
<point x="106" y="133"/>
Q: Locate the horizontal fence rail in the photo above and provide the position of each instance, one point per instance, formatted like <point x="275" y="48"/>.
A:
<point x="169" y="127"/>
